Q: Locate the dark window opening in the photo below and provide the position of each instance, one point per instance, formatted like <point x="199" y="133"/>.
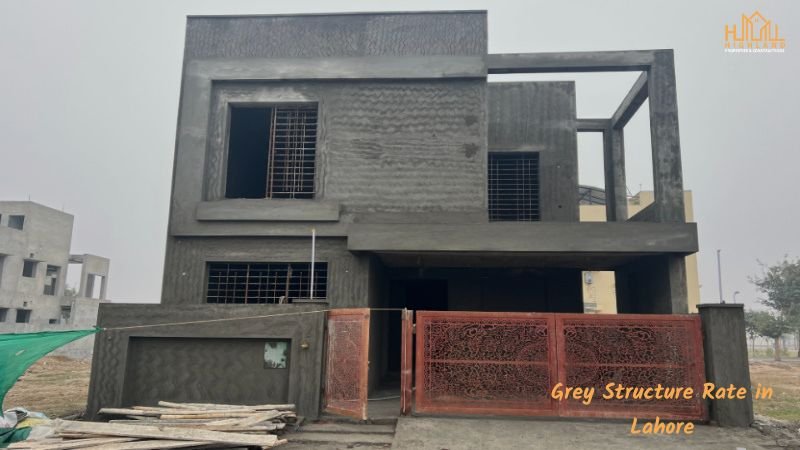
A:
<point x="3" y="314"/>
<point x="29" y="268"/>
<point x="16" y="222"/>
<point x="23" y="315"/>
<point x="514" y="186"/>
<point x="272" y="152"/>
<point x="51" y="280"/>
<point x="52" y="321"/>
<point x="265" y="282"/>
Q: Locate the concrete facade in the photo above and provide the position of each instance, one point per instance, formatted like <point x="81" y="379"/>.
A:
<point x="406" y="125"/>
<point x="34" y="260"/>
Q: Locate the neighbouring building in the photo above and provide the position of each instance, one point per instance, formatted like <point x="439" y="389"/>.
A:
<point x="34" y="259"/>
<point x="599" y="289"/>
<point x="427" y="187"/>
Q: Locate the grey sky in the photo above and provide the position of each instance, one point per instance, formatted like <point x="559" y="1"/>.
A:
<point x="90" y="91"/>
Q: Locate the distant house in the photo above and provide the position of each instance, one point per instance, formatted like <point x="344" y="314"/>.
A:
<point x="34" y="259"/>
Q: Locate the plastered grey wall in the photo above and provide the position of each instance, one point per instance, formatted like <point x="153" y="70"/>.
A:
<point x="323" y="35"/>
<point x="187" y="258"/>
<point x="540" y="117"/>
<point x="110" y="367"/>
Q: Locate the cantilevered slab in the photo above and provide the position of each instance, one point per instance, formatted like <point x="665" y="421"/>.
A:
<point x="246" y="210"/>
<point x="539" y="237"/>
<point x="613" y="61"/>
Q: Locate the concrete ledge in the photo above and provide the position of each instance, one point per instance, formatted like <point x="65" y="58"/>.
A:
<point x="544" y="237"/>
<point x="268" y="210"/>
<point x="367" y="67"/>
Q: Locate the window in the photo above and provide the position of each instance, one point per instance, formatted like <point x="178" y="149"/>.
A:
<point x="52" y="321"/>
<point x="29" y="268"/>
<point x="272" y="152"/>
<point x="3" y="314"/>
<point x="514" y="186"/>
<point x="51" y="280"/>
<point x="23" y="315"/>
<point x="264" y="282"/>
<point x="16" y="222"/>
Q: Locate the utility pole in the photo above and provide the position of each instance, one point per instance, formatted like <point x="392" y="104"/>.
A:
<point x="719" y="275"/>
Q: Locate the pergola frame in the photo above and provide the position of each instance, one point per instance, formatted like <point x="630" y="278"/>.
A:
<point x="656" y="83"/>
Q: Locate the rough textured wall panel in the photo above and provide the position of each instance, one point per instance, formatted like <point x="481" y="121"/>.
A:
<point x="540" y="116"/>
<point x="310" y="36"/>
<point x="382" y="146"/>
<point x="113" y="375"/>
<point x="185" y="267"/>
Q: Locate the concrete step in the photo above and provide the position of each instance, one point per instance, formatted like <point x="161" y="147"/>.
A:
<point x="372" y="420"/>
<point x="347" y="428"/>
<point x="345" y="439"/>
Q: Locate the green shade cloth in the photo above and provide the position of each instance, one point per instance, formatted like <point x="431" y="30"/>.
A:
<point x="10" y="435"/>
<point x="18" y="351"/>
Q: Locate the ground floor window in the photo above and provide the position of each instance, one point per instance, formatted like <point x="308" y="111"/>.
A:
<point x="265" y="282"/>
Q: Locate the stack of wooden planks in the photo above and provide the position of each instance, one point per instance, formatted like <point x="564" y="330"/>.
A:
<point x="173" y="425"/>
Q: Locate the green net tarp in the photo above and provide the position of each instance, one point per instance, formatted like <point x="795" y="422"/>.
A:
<point x="18" y="351"/>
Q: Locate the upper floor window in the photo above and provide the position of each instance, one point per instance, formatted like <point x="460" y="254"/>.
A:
<point x="265" y="282"/>
<point x="514" y="186"/>
<point x="272" y="151"/>
<point x="51" y="280"/>
<point x="29" y="268"/>
<point x="16" y="222"/>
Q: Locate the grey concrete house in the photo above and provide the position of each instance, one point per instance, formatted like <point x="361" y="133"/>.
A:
<point x="34" y="259"/>
<point x="426" y="186"/>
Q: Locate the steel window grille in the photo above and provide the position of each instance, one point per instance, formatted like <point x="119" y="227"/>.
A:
<point x="264" y="282"/>
<point x="293" y="140"/>
<point x="514" y="186"/>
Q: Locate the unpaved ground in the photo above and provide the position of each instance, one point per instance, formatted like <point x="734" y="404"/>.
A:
<point x="55" y="385"/>
<point x="784" y="378"/>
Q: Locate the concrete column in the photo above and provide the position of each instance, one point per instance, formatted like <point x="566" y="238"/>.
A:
<point x="665" y="139"/>
<point x="614" y="164"/>
<point x="726" y="361"/>
<point x="103" y="285"/>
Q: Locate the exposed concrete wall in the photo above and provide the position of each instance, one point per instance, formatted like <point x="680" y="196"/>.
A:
<point x="325" y="35"/>
<point x="113" y="362"/>
<point x="540" y="117"/>
<point x="187" y="258"/>
<point x="726" y="361"/>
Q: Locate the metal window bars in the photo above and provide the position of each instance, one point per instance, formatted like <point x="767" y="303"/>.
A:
<point x="264" y="282"/>
<point x="514" y="186"/>
<point x="292" y="151"/>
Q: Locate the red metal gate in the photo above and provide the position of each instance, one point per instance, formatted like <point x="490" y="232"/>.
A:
<point x="507" y="363"/>
<point x="347" y="364"/>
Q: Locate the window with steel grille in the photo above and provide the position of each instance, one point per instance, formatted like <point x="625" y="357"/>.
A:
<point x="272" y="151"/>
<point x="265" y="282"/>
<point x="514" y="186"/>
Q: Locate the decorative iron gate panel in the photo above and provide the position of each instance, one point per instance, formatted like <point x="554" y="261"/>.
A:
<point x="347" y="362"/>
<point x="636" y="350"/>
<point x="507" y="363"/>
<point x="485" y="363"/>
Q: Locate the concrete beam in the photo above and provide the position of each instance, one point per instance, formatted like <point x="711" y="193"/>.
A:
<point x="246" y="210"/>
<point x="631" y="103"/>
<point x="592" y="125"/>
<point x="526" y="237"/>
<point x="613" y="61"/>
<point x="665" y="139"/>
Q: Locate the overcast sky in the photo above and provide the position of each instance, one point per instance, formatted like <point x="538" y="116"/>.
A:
<point x="89" y="101"/>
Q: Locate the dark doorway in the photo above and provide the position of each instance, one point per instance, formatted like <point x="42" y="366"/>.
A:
<point x="423" y="295"/>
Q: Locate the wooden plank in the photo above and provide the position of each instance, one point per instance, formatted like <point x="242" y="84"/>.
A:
<point x="74" y="443"/>
<point x="150" y="409"/>
<point x="219" y="415"/>
<point x="287" y="406"/>
<point x="127" y="412"/>
<point x="170" y="433"/>
<point x="149" y="445"/>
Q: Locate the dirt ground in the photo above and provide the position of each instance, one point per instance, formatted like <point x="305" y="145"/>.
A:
<point x="58" y="387"/>
<point x="55" y="385"/>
